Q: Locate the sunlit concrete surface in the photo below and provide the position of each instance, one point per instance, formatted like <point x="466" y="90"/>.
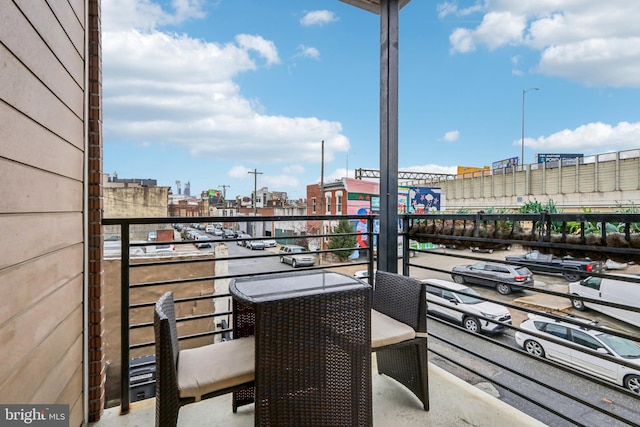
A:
<point x="453" y="403"/>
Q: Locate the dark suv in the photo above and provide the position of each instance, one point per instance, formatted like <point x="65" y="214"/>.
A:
<point x="504" y="277"/>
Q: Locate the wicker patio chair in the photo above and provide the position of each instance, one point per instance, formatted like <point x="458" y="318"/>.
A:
<point x="190" y="375"/>
<point x="399" y="331"/>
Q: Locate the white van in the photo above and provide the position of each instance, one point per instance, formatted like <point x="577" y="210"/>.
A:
<point x="613" y="289"/>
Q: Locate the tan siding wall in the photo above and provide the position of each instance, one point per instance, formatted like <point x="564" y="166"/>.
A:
<point x="41" y="203"/>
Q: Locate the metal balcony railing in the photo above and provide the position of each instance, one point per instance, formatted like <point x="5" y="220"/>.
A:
<point x="576" y="234"/>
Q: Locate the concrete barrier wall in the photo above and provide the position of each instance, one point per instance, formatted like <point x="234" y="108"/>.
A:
<point x="602" y="183"/>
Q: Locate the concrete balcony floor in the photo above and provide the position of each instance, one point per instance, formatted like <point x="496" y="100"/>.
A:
<point x="453" y="402"/>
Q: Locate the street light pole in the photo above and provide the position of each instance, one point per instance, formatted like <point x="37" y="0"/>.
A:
<point x="523" y="92"/>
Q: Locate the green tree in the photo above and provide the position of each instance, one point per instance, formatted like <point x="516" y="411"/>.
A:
<point x="339" y="240"/>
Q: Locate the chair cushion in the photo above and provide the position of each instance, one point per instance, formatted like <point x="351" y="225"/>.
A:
<point x="387" y="331"/>
<point x="214" y="367"/>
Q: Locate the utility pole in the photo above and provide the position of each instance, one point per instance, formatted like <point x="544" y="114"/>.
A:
<point x="322" y="201"/>
<point x="224" y="190"/>
<point x="255" y="190"/>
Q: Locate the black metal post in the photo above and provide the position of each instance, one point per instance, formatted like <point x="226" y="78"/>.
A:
<point x="388" y="244"/>
<point x="125" y="397"/>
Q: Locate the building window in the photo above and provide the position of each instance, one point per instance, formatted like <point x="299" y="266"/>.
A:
<point x="313" y="205"/>
<point x="338" y="204"/>
<point x="328" y="210"/>
<point x="326" y="232"/>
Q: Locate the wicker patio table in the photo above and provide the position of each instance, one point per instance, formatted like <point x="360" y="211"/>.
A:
<point x="313" y="347"/>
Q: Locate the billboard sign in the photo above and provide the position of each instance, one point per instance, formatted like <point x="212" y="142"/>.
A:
<point x="418" y="200"/>
<point x="506" y="163"/>
<point x="567" y="159"/>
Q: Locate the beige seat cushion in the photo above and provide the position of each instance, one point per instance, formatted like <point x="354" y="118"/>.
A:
<point x="387" y="331"/>
<point x="213" y="367"/>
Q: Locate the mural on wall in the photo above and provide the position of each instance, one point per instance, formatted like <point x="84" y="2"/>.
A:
<point x="418" y="200"/>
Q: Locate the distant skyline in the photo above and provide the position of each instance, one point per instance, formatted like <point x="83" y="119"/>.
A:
<point x="208" y="91"/>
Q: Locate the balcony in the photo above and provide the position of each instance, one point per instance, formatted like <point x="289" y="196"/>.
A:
<point x="453" y="401"/>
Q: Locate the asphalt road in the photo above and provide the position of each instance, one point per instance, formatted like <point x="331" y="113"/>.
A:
<point x="594" y="401"/>
<point x="553" y="408"/>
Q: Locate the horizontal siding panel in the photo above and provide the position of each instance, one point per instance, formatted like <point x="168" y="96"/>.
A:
<point x="26" y="190"/>
<point x="56" y="38"/>
<point x="35" y="235"/>
<point x="29" y="143"/>
<point x="76" y="413"/>
<point x="26" y="284"/>
<point x="27" y="94"/>
<point x="37" y="346"/>
<point x="73" y="389"/>
<point x="57" y="379"/>
<point x="70" y="22"/>
<point x="18" y="34"/>
<point x="79" y="10"/>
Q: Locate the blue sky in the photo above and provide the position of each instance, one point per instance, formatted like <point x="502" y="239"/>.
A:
<point x="207" y="91"/>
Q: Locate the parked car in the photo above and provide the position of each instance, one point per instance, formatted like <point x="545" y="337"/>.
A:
<point x="254" y="244"/>
<point x="444" y="297"/>
<point x="296" y="255"/>
<point x="217" y="232"/>
<point x="242" y="236"/>
<point x="574" y="268"/>
<point x="209" y="228"/>
<point x="613" y="288"/>
<point x="591" y="340"/>
<point x="199" y="242"/>
<point x="504" y="277"/>
<point x="270" y="243"/>
<point x="228" y="234"/>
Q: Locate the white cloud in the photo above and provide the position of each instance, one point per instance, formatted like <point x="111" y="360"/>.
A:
<point x="430" y="168"/>
<point x="596" y="62"/>
<point x="452" y="135"/>
<point x="265" y="48"/>
<point x="293" y="169"/>
<point x="146" y="15"/>
<point x="281" y="182"/>
<point x="590" y="41"/>
<point x="318" y="17"/>
<point x="450" y="8"/>
<point x="515" y="61"/>
<point x="165" y="88"/>
<point x="496" y="30"/>
<point x="590" y="138"/>
<point x="238" y="172"/>
<point x="462" y="41"/>
<point x="308" y="52"/>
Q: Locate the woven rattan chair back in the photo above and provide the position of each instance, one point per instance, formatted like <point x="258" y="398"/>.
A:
<point x="405" y="300"/>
